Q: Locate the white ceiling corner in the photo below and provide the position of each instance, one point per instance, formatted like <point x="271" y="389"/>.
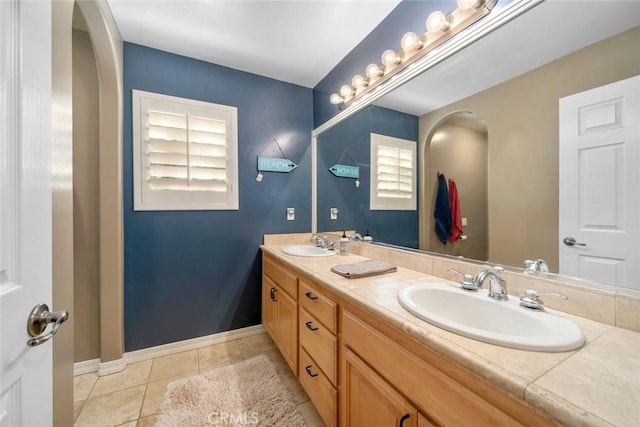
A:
<point x="296" y="41"/>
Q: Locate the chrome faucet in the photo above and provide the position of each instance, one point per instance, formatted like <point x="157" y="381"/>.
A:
<point x="356" y="237"/>
<point x="320" y="241"/>
<point x="497" y="285"/>
<point x="536" y="266"/>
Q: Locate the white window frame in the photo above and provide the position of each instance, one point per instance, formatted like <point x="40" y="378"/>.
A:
<point x="149" y="199"/>
<point x="377" y="202"/>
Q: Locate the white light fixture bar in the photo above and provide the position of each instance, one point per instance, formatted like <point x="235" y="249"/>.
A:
<point x="440" y="28"/>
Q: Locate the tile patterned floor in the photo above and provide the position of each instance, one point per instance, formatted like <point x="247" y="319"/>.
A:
<point x="130" y="398"/>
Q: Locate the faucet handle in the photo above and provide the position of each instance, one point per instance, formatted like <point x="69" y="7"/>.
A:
<point x="467" y="282"/>
<point x="531" y="299"/>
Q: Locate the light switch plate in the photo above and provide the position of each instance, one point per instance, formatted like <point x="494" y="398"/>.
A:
<point x="334" y="213"/>
<point x="291" y="214"/>
<point x="464" y="222"/>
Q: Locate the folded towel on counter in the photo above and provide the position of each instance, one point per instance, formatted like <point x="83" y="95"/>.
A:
<point x="363" y="269"/>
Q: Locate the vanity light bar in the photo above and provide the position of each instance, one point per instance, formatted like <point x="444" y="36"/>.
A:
<point x="440" y="28"/>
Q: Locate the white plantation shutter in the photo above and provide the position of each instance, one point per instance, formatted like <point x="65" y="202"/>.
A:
<point x="185" y="154"/>
<point x="393" y="173"/>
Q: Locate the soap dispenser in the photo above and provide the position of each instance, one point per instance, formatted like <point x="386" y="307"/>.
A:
<point x="344" y="244"/>
<point x="367" y="237"/>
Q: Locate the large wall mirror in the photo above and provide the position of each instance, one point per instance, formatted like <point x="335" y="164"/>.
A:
<point x="487" y="118"/>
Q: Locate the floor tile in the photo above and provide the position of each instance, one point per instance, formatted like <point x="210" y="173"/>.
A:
<point x="147" y="421"/>
<point x="310" y="415"/>
<point x="255" y="345"/>
<point x="112" y="409"/>
<point x="217" y="355"/>
<point x="174" y="365"/>
<point x="133" y="375"/>
<point x="77" y="407"/>
<point x="153" y="396"/>
<point x="82" y="385"/>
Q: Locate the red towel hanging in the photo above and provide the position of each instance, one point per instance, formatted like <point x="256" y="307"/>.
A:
<point x="456" y="219"/>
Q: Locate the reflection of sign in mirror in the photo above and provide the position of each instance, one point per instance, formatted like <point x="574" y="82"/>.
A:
<point x="345" y="171"/>
<point x="273" y="164"/>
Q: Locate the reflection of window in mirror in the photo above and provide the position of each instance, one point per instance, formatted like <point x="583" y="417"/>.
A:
<point x="393" y="173"/>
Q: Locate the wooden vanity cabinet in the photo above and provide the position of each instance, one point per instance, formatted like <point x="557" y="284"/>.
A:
<point x="359" y="371"/>
<point x="280" y="309"/>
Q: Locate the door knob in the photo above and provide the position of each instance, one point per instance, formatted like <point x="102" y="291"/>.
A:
<point x="570" y="241"/>
<point x="38" y="320"/>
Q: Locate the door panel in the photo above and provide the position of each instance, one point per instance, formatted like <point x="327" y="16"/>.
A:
<point x="25" y="209"/>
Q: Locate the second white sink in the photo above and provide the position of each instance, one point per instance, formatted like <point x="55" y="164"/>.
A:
<point x="505" y="323"/>
<point x="307" y="251"/>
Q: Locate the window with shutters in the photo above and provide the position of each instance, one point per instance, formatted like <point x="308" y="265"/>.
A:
<point x="185" y="154"/>
<point x="393" y="173"/>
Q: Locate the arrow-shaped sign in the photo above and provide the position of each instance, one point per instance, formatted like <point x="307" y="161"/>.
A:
<point x="272" y="164"/>
<point x="345" y="171"/>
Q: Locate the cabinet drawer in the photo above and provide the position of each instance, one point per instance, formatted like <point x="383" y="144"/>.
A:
<point x="320" y="307"/>
<point x="283" y="278"/>
<point x="319" y="388"/>
<point x="320" y="343"/>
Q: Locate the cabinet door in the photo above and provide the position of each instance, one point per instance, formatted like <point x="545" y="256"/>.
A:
<point x="369" y="400"/>
<point x="287" y="328"/>
<point x="269" y="306"/>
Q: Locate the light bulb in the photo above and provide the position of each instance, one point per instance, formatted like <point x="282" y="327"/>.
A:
<point x="259" y="177"/>
<point x="346" y="91"/>
<point x="437" y="21"/>
<point x="410" y="41"/>
<point x="336" y="99"/>
<point x="359" y="81"/>
<point x="373" y="71"/>
<point x="389" y="57"/>
<point x="467" y="4"/>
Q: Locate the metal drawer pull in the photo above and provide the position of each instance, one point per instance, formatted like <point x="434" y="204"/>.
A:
<point x="272" y="292"/>
<point x="404" y="417"/>
<point x="310" y="296"/>
<point x="38" y="320"/>
<point x="308" y="369"/>
<point x="310" y="327"/>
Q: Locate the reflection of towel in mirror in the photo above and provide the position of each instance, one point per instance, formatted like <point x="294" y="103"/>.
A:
<point x="442" y="211"/>
<point x="456" y="219"/>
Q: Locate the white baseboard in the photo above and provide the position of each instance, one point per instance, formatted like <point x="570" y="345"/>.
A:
<point x="106" y="368"/>
<point x="112" y="366"/>
<point x="86" y="367"/>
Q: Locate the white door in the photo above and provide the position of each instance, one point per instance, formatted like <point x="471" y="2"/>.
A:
<point x="25" y="208"/>
<point x="600" y="184"/>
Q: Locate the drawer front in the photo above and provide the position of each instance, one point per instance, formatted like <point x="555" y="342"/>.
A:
<point x="283" y="278"/>
<point x="320" y="307"/>
<point x="318" y="387"/>
<point x="319" y="343"/>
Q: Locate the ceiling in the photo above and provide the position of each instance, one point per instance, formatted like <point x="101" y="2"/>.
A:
<point x="296" y="41"/>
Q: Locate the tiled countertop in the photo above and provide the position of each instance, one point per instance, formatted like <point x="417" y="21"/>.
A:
<point x="597" y="385"/>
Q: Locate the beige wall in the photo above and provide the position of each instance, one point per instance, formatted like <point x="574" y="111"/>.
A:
<point x="461" y="154"/>
<point x="85" y="200"/>
<point x="522" y="122"/>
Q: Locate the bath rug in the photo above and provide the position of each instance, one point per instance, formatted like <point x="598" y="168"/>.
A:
<point x="248" y="393"/>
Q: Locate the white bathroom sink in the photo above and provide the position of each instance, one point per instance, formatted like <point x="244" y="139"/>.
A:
<point x="307" y="251"/>
<point x="505" y="323"/>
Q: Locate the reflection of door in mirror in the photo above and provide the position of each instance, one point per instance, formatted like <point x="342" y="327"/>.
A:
<point x="599" y="174"/>
<point x="458" y="149"/>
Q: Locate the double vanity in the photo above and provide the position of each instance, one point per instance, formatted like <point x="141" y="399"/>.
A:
<point x="368" y="351"/>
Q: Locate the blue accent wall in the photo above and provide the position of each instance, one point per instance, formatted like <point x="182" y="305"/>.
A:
<point x="396" y="227"/>
<point x="409" y="15"/>
<point x="193" y="273"/>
